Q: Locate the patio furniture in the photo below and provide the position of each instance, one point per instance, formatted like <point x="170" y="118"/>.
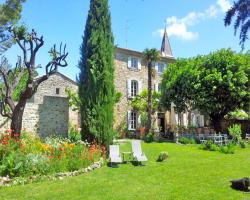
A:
<point x="114" y="154"/>
<point x="127" y="156"/>
<point x="225" y="138"/>
<point x="201" y="138"/>
<point x="247" y="136"/>
<point x="218" y="139"/>
<point x="138" y="155"/>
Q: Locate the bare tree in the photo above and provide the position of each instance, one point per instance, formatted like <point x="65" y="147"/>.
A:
<point x="30" y="44"/>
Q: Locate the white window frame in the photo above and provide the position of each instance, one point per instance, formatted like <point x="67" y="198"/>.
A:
<point x="134" y="63"/>
<point x="162" y="67"/>
<point x="134" y="89"/>
<point x="133" y="120"/>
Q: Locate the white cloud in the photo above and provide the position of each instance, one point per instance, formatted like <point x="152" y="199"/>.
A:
<point x="180" y="27"/>
<point x="212" y="11"/>
<point x="225" y="5"/>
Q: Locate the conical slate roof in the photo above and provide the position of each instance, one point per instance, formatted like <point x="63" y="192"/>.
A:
<point x="165" y="46"/>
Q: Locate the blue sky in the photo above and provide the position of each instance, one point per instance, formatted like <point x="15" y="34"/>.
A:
<point x="194" y="26"/>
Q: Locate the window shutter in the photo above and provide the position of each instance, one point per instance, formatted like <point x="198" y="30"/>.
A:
<point x="128" y="123"/>
<point x="165" y="67"/>
<point x="128" y="88"/>
<point x="129" y="62"/>
<point x="193" y="120"/>
<point x="177" y="119"/>
<point x="139" y="86"/>
<point x="139" y="63"/>
<point x="138" y="120"/>
<point x="156" y="66"/>
<point x="202" y="120"/>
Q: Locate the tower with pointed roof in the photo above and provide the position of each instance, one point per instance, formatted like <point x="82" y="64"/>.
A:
<point x="165" y="46"/>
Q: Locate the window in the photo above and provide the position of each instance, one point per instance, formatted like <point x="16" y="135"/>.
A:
<point x="160" y="68"/>
<point x="134" y="63"/>
<point x="134" y="88"/>
<point x="133" y="120"/>
<point x="159" y="87"/>
<point x="57" y="90"/>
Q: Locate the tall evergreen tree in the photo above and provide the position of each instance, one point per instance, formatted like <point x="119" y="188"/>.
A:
<point x="96" y="78"/>
<point x="10" y="14"/>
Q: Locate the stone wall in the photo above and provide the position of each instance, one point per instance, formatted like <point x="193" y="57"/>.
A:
<point x="48" y="111"/>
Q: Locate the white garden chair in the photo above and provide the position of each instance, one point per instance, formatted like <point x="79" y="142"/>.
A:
<point x="138" y="155"/>
<point x="201" y="138"/>
<point x="114" y="154"/>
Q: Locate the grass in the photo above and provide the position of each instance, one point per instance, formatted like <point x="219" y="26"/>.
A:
<point x="190" y="173"/>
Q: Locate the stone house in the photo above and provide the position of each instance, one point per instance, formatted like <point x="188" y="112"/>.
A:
<point x="48" y="111"/>
<point x="131" y="77"/>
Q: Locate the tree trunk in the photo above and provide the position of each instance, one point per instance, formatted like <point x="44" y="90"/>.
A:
<point x="216" y="122"/>
<point x="16" y="120"/>
<point x="149" y="124"/>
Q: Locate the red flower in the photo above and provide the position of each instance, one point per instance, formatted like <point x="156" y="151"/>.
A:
<point x="16" y="134"/>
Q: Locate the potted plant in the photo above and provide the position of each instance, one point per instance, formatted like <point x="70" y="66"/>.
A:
<point x="142" y="128"/>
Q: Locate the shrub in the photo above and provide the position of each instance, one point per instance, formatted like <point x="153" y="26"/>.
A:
<point x="235" y="132"/>
<point x="149" y="137"/>
<point x="185" y="140"/>
<point x="214" y="147"/>
<point x="10" y="165"/>
<point x="243" y="144"/>
<point x="208" y="144"/>
<point x="74" y="135"/>
<point x="227" y="149"/>
<point x="162" y="156"/>
<point x="35" y="164"/>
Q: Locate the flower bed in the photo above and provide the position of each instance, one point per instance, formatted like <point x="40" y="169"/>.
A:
<point x="30" y="156"/>
<point x="7" y="181"/>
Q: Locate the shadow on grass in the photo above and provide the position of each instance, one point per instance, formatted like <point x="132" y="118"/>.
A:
<point x="112" y="165"/>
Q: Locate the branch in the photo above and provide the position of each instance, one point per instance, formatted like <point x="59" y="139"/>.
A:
<point x="3" y="109"/>
<point x="8" y="89"/>
<point x="58" y="59"/>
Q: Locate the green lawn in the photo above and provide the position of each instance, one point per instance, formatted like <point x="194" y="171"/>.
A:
<point x="190" y="173"/>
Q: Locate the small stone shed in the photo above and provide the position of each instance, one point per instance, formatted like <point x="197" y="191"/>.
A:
<point x="48" y="111"/>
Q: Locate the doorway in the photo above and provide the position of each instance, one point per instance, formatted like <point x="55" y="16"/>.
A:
<point x="161" y="122"/>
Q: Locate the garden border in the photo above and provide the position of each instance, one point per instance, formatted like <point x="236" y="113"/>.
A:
<point x="7" y="182"/>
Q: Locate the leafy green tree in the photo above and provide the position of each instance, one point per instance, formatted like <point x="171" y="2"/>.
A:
<point x="10" y="14"/>
<point x="177" y="85"/>
<point x="240" y="9"/>
<point x="96" y="78"/>
<point x="150" y="56"/>
<point x="216" y="84"/>
<point x="140" y="104"/>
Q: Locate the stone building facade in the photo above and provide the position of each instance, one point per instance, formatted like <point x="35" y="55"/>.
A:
<point x="131" y="78"/>
<point x="48" y="111"/>
<point x="131" y="74"/>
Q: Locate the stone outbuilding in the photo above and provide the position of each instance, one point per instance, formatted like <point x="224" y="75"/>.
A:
<point x="48" y="111"/>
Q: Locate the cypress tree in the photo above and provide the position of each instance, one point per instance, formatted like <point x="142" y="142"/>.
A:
<point x="96" y="78"/>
